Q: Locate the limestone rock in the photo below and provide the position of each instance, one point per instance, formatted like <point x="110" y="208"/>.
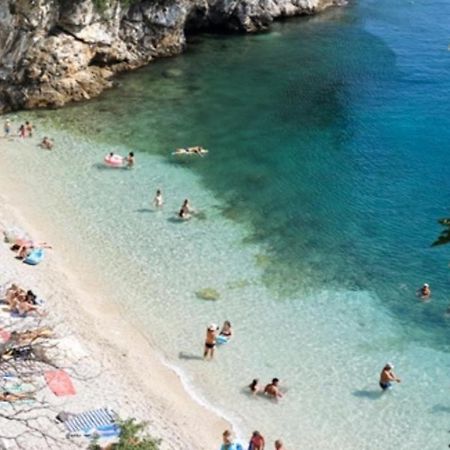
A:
<point x="56" y="51"/>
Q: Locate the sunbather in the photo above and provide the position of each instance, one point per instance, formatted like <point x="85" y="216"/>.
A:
<point x="27" y="246"/>
<point x="10" y="397"/>
<point x="28" y="336"/>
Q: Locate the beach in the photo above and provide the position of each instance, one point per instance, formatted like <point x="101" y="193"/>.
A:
<point x="317" y="204"/>
<point x="114" y="364"/>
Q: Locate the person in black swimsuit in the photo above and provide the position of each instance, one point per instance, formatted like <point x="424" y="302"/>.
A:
<point x="210" y="342"/>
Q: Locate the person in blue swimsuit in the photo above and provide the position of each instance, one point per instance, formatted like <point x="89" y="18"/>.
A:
<point x="228" y="442"/>
<point x="387" y="377"/>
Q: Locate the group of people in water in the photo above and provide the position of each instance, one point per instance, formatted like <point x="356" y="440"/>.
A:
<point x="26" y="131"/>
<point x="257" y="442"/>
<point x="186" y="211"/>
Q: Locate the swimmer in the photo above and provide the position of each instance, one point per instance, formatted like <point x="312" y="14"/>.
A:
<point x="46" y="143"/>
<point x="210" y="341"/>
<point x="158" y="200"/>
<point x="254" y="387"/>
<point x="197" y="150"/>
<point x="272" y="389"/>
<point x="387" y="377"/>
<point x="130" y="160"/>
<point x="425" y="291"/>
<point x="257" y="441"/>
<point x="226" y="329"/>
<point x="7" y="127"/>
<point x="185" y="211"/>
<point x="279" y="445"/>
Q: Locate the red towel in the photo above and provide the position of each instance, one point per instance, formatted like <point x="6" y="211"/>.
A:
<point x="59" y="382"/>
<point x="4" y="335"/>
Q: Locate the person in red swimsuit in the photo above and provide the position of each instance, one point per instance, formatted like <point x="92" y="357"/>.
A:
<point x="257" y="441"/>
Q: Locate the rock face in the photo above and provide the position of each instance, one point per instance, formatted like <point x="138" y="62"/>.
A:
<point x="56" y="51"/>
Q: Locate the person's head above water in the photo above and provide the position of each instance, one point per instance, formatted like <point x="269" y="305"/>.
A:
<point x="388" y="366"/>
<point x="227" y="323"/>
<point x="275" y="381"/>
<point x="278" y="444"/>
<point x="111" y="154"/>
<point x="131" y="154"/>
<point x="254" y="383"/>
<point x="158" y="192"/>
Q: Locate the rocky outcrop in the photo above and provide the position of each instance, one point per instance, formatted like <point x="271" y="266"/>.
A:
<point x="56" y="51"/>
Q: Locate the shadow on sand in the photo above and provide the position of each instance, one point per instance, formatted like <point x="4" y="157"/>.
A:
<point x="371" y="395"/>
<point x="189" y="356"/>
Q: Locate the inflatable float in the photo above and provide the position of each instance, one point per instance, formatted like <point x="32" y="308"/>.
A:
<point x="35" y="257"/>
<point x="113" y="160"/>
<point x="200" y="151"/>
<point x="221" y="339"/>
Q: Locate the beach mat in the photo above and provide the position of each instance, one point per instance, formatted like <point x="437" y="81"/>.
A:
<point x="4" y="335"/>
<point x="93" y="419"/>
<point x="59" y="382"/>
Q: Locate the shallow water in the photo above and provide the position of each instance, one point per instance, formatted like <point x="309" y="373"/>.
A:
<point x="327" y="170"/>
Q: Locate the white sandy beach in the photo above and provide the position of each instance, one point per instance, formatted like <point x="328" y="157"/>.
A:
<point x="110" y="362"/>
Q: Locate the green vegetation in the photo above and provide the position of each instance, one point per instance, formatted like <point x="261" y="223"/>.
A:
<point x="132" y="437"/>
<point x="444" y="237"/>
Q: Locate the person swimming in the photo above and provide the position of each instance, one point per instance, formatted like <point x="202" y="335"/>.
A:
<point x="46" y="143"/>
<point x="387" y="377"/>
<point x="425" y="291"/>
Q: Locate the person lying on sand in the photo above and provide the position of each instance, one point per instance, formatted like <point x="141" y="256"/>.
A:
<point x="6" y="396"/>
<point x="21" y="302"/>
<point x="47" y="143"/>
<point x="25" y="246"/>
<point x="28" y="336"/>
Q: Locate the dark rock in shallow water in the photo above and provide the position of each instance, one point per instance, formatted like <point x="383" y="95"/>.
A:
<point x="56" y="51"/>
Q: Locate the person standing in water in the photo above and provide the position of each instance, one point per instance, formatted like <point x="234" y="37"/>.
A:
<point x="257" y="441"/>
<point x="185" y="211"/>
<point x="158" y="200"/>
<point x="7" y="128"/>
<point x="29" y="128"/>
<point x="387" y="377"/>
<point x="254" y="386"/>
<point x="272" y="389"/>
<point x="210" y="341"/>
<point x="226" y="330"/>
<point x="279" y="445"/>
<point x="130" y="160"/>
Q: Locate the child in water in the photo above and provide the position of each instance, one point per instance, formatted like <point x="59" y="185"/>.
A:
<point x="158" y="200"/>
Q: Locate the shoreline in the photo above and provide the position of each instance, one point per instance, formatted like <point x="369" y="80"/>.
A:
<point x="178" y="409"/>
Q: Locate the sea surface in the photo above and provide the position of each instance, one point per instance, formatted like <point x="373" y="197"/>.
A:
<point x="318" y="201"/>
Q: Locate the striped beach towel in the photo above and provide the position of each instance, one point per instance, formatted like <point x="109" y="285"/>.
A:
<point x="89" y="422"/>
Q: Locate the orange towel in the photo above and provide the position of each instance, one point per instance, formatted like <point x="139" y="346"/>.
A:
<point x="59" y="382"/>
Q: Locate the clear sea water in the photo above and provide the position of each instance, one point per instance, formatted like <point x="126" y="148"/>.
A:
<point x="319" y="199"/>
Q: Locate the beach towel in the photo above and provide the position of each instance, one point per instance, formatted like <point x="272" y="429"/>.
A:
<point x="94" y="420"/>
<point x="59" y="382"/>
<point x="4" y="335"/>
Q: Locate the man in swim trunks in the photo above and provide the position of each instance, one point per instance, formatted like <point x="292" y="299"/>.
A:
<point x="210" y="342"/>
<point x="272" y="389"/>
<point x="387" y="377"/>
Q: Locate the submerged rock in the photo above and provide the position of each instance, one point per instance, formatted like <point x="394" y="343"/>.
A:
<point x="208" y="294"/>
<point x="56" y="51"/>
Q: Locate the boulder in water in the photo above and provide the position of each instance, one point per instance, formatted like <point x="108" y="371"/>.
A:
<point x="208" y="294"/>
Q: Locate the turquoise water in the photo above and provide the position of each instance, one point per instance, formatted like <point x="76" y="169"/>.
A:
<point x="327" y="170"/>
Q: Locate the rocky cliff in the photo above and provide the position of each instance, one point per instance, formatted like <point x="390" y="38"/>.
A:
<point x="56" y="51"/>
